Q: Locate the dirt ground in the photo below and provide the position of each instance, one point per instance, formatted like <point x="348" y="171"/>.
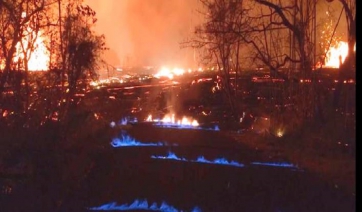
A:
<point x="332" y="163"/>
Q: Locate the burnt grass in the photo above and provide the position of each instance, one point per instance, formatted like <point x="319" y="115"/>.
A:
<point x="329" y="158"/>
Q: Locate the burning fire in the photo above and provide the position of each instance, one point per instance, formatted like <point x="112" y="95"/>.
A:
<point x="38" y="58"/>
<point x="169" y="73"/>
<point x="140" y="204"/>
<point x="222" y="161"/>
<point x="200" y="159"/>
<point x="126" y="140"/>
<point x="337" y="54"/>
<point x="171" y="120"/>
<point x="36" y="53"/>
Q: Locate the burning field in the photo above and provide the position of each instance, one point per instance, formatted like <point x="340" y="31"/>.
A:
<point x="257" y="113"/>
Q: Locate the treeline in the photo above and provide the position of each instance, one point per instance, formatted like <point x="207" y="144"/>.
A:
<point x="277" y="35"/>
<point x="48" y="52"/>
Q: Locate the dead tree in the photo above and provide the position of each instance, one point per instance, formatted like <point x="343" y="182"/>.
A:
<point x="15" y="15"/>
<point x="222" y="46"/>
<point x="347" y="68"/>
<point x="283" y="35"/>
<point x="349" y="7"/>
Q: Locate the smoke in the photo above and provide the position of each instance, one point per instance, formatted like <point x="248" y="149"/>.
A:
<point x="334" y="9"/>
<point x="149" y="32"/>
<point x="146" y="32"/>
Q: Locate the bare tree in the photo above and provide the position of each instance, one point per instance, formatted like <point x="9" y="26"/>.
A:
<point x="294" y="24"/>
<point x="222" y="46"/>
<point x="281" y="34"/>
<point x="273" y="24"/>
<point x="345" y="94"/>
<point x="15" y="16"/>
<point x="349" y="7"/>
<point x="82" y="47"/>
<point x="25" y="23"/>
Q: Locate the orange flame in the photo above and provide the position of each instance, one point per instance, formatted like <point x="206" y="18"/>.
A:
<point x="170" y="119"/>
<point x="169" y="73"/>
<point x="39" y="56"/>
<point x="337" y="54"/>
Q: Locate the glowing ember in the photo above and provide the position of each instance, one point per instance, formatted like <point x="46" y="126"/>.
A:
<point x="169" y="73"/>
<point x="337" y="54"/>
<point x="280" y="133"/>
<point x="140" y="205"/>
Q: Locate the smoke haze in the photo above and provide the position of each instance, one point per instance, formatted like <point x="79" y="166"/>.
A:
<point x="146" y="32"/>
<point x="149" y="32"/>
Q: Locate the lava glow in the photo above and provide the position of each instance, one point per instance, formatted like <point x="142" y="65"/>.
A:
<point x="140" y="205"/>
<point x="171" y="120"/>
<point x="126" y="141"/>
<point x="169" y="73"/>
<point x="335" y="52"/>
<point x="200" y="159"/>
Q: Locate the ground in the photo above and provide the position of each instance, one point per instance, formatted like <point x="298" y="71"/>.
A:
<point x="66" y="165"/>
<point x="331" y="164"/>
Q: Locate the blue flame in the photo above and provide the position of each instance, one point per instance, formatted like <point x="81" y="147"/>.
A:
<point x="127" y="120"/>
<point x="184" y="126"/>
<point x="200" y="159"/>
<point x="125" y="141"/>
<point x="170" y="156"/>
<point x="223" y="161"/>
<point x="140" y="205"/>
<point x="163" y="124"/>
<point x="124" y="121"/>
<point x="276" y="164"/>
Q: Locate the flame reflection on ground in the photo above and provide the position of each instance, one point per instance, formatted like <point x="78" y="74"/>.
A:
<point x="125" y="141"/>
<point x="140" y="205"/>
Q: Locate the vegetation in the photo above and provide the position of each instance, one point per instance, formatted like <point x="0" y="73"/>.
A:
<point x="59" y="35"/>
<point x="42" y="111"/>
<point x="280" y="36"/>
